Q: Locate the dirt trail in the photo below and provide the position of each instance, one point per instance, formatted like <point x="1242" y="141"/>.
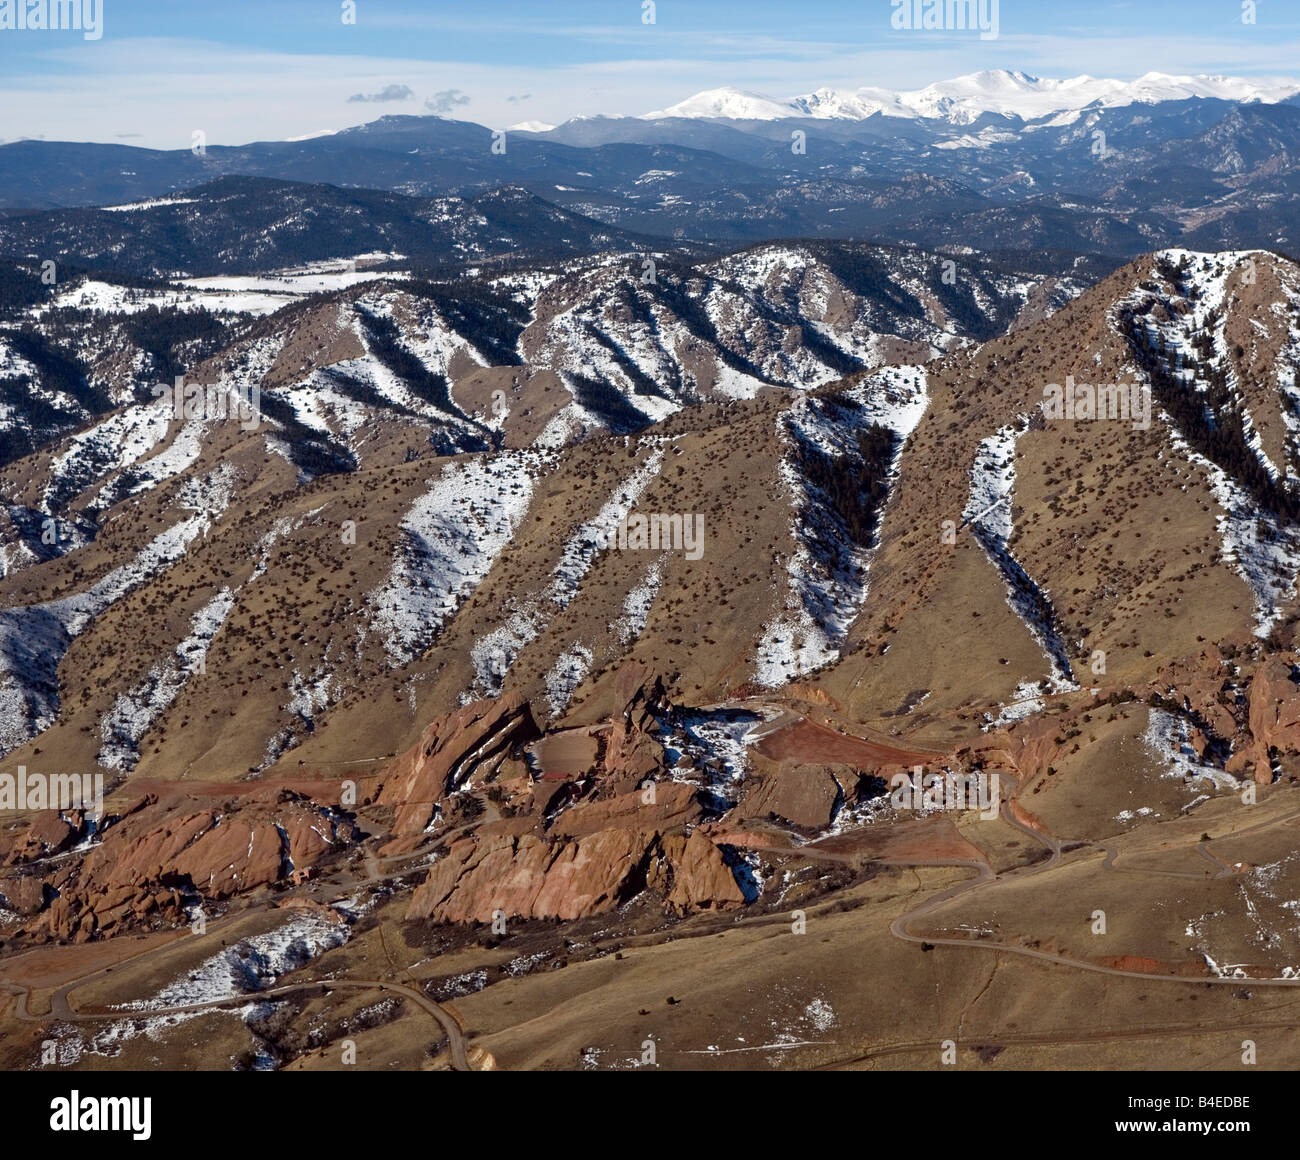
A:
<point x="62" y="1010"/>
<point x="900" y="927"/>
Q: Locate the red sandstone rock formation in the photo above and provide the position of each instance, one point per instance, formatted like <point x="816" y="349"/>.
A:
<point x="448" y="751"/>
<point x="148" y="860"/>
<point x="1274" y="714"/>
<point x="530" y="877"/>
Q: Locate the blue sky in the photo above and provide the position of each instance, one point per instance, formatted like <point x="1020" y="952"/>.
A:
<point x="256" y="69"/>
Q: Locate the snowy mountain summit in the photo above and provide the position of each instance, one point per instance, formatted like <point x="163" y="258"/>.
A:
<point x="965" y="99"/>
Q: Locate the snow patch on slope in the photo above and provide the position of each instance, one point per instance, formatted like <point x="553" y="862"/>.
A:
<point x="495" y="653"/>
<point x="640" y="599"/>
<point x="1264" y="552"/>
<point x="569" y="671"/>
<point x="827" y="573"/>
<point x="133" y="712"/>
<point x="1168" y="738"/>
<point x="33" y="639"/>
<point x="988" y="512"/>
<point x="452" y="536"/>
<point x="252" y="964"/>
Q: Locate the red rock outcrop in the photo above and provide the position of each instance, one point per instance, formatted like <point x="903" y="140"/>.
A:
<point x="48" y="833"/>
<point x="593" y="874"/>
<point x="631" y="756"/>
<point x="638" y="691"/>
<point x="1028" y="748"/>
<point x="24" y="896"/>
<point x="448" y="751"/>
<point x="701" y="879"/>
<point x="674" y="804"/>
<point x="802" y="794"/>
<point x="148" y="859"/>
<point x="1274" y="702"/>
<point x="529" y="877"/>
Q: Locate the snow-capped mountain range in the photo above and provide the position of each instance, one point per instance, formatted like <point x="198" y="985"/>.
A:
<point x="964" y="99"/>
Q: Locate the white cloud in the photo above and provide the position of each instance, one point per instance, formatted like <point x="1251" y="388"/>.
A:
<point x="446" y="101"/>
<point x="387" y="93"/>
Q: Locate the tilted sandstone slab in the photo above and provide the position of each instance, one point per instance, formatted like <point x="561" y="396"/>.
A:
<point x="529" y="877"/>
<point x="1274" y="713"/>
<point x="701" y="878"/>
<point x="448" y="751"/>
<point x="593" y="875"/>
<point x="24" y="896"/>
<point x="802" y="794"/>
<point x="47" y="833"/>
<point x="674" y="804"/>
<point x="147" y="860"/>
<point x="475" y="879"/>
<point x="631" y="756"/>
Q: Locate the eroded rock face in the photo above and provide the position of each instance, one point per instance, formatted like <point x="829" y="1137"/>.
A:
<point x="1274" y="713"/>
<point x="562" y="830"/>
<point x="802" y="794"/>
<point x="513" y="875"/>
<point x="591" y="831"/>
<point x="631" y="756"/>
<point x="158" y="856"/>
<point x="664" y="807"/>
<point x="627" y="695"/>
<point x="24" y="896"/>
<point x="1028" y="749"/>
<point x="449" y="749"/>
<point x="639" y="691"/>
<point x="594" y="874"/>
<point x="48" y="833"/>
<point x="590" y="827"/>
<point x="530" y="877"/>
<point x="581" y="840"/>
<point x="476" y="878"/>
<point x="702" y="879"/>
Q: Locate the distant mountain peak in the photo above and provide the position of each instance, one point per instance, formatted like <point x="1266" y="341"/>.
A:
<point x="961" y="100"/>
<point x="727" y="103"/>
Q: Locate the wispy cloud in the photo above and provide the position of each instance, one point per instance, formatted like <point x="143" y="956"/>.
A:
<point x="387" y="93"/>
<point x="446" y="100"/>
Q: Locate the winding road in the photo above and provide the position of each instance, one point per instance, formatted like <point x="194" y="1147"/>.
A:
<point x="900" y="927"/>
<point x="61" y="1010"/>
